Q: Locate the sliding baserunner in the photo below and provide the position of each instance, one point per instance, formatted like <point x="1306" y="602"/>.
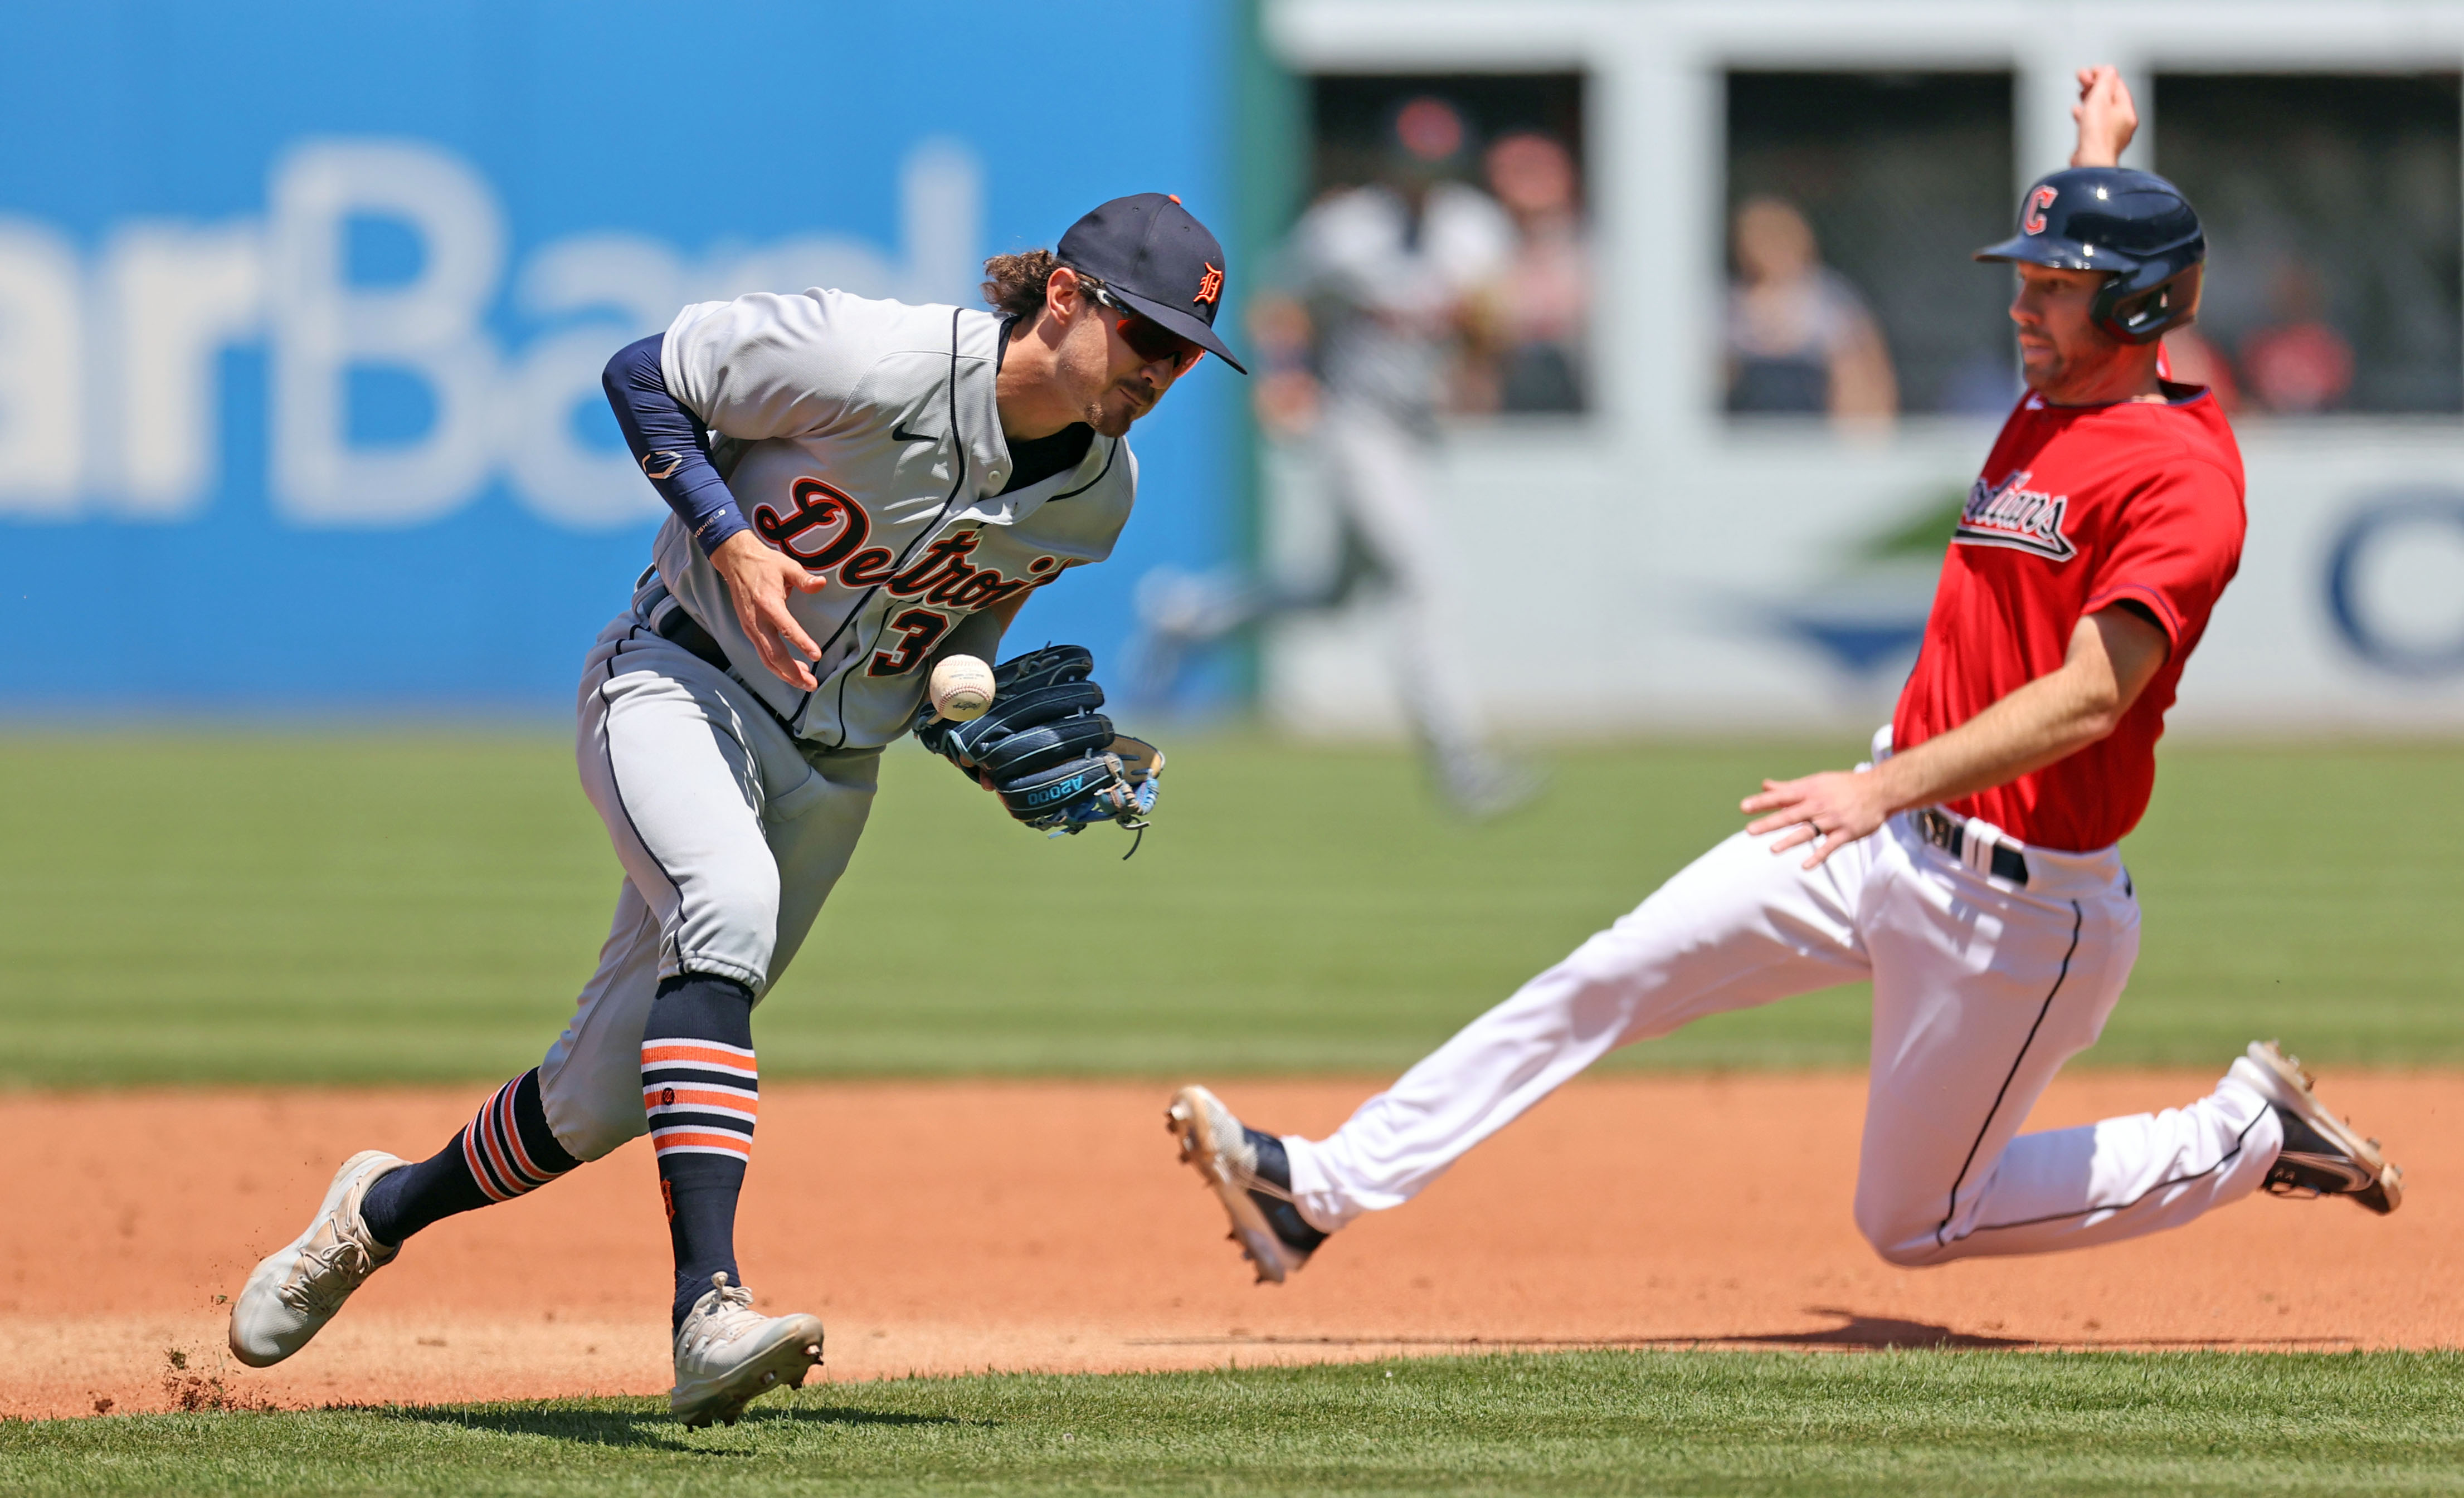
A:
<point x="1971" y="870"/>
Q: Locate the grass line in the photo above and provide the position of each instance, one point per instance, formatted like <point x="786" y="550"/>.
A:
<point x="1577" y="1422"/>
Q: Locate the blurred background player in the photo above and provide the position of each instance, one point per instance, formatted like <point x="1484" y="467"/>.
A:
<point x="1973" y="871"/>
<point x="1800" y="338"/>
<point x="1383" y="295"/>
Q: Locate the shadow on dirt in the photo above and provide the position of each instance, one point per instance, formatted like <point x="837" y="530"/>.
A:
<point x="1855" y="1331"/>
<point x="647" y="1427"/>
<point x="1876" y="1331"/>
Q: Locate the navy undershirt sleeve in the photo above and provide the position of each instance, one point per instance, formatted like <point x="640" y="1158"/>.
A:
<point x="671" y="444"/>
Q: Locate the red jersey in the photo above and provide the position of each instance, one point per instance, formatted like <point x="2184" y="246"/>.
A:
<point x="2078" y="508"/>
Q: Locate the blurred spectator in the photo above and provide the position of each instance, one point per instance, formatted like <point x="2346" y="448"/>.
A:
<point x="1382" y="291"/>
<point x="1800" y="338"/>
<point x="1283" y="392"/>
<point x="1399" y="277"/>
<point x="2191" y="360"/>
<point x="2331" y="200"/>
<point x="2299" y="363"/>
<point x="1546" y="297"/>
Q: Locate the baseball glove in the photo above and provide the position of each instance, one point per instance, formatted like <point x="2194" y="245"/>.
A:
<point x="1054" y="762"/>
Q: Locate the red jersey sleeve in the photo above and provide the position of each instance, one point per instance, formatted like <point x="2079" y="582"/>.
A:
<point x="2179" y="543"/>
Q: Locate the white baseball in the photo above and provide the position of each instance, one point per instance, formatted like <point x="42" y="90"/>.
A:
<point x="961" y="688"/>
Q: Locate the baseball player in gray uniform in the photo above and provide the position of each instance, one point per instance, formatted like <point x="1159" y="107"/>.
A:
<point x="860" y="489"/>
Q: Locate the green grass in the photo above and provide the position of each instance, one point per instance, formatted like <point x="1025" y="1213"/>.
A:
<point x="197" y="906"/>
<point x="1890" y="1423"/>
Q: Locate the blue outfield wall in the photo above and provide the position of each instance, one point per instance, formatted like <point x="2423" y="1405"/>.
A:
<point x="302" y="305"/>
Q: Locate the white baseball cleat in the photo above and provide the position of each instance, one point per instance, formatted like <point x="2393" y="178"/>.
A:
<point x="1481" y="786"/>
<point x="726" y="1354"/>
<point x="295" y="1290"/>
<point x="1256" y="1193"/>
<point x="2323" y="1155"/>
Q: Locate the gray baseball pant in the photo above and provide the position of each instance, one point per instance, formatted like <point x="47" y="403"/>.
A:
<point x="1384" y="478"/>
<point x="732" y="833"/>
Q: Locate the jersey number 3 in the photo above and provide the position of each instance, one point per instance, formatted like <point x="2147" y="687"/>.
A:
<point x="920" y="628"/>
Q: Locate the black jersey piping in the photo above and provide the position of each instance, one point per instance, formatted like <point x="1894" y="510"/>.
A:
<point x="1943" y="1227"/>
<point x="1114" y="453"/>
<point x="2222" y="1160"/>
<point x="957" y="486"/>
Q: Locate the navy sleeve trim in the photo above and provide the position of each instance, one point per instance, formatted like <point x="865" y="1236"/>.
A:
<point x="671" y="444"/>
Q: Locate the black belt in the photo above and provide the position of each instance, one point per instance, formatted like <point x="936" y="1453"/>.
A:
<point x="678" y="627"/>
<point x="667" y="620"/>
<point x="1950" y="834"/>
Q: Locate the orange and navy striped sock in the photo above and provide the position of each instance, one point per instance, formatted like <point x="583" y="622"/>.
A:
<point x="504" y="1162"/>
<point x="505" y="1151"/>
<point x="701" y="1091"/>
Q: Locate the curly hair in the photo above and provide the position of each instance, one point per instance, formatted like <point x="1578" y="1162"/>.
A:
<point x="1014" y="283"/>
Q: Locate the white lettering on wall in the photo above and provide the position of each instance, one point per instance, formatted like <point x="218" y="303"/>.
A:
<point x="41" y="371"/>
<point x="628" y="287"/>
<point x="172" y="297"/>
<point x="110" y="403"/>
<point x="428" y="325"/>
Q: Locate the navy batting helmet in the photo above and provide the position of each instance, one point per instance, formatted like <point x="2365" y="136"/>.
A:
<point x="2133" y="224"/>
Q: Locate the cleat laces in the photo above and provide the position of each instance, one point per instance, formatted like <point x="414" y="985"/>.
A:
<point x="327" y="1278"/>
<point x="730" y="1316"/>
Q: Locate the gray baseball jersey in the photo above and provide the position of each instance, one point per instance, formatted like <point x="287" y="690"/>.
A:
<point x="861" y="438"/>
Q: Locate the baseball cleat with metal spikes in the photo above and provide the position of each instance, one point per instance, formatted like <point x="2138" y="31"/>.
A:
<point x="729" y="1354"/>
<point x="1249" y="1175"/>
<point x="2323" y="1155"/>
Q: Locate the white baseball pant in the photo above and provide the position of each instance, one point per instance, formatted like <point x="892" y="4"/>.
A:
<point x="732" y="833"/>
<point x="1982" y="989"/>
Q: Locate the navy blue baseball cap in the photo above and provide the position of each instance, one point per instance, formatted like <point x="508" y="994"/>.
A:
<point x="2134" y="225"/>
<point x="1157" y="257"/>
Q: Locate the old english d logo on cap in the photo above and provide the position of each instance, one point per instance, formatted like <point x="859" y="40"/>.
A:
<point x="1155" y="256"/>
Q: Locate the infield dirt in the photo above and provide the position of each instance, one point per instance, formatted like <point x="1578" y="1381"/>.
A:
<point x="955" y="1227"/>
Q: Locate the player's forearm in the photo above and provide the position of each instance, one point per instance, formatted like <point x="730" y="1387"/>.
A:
<point x="2114" y="653"/>
<point x="2049" y="720"/>
<point x="671" y="447"/>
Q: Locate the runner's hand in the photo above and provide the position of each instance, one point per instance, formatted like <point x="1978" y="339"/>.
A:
<point x="1830" y="810"/>
<point x="2106" y="117"/>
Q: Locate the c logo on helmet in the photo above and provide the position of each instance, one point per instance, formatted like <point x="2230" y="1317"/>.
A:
<point x="2037" y="202"/>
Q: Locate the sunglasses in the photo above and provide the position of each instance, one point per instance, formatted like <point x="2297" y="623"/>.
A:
<point x="1151" y="341"/>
